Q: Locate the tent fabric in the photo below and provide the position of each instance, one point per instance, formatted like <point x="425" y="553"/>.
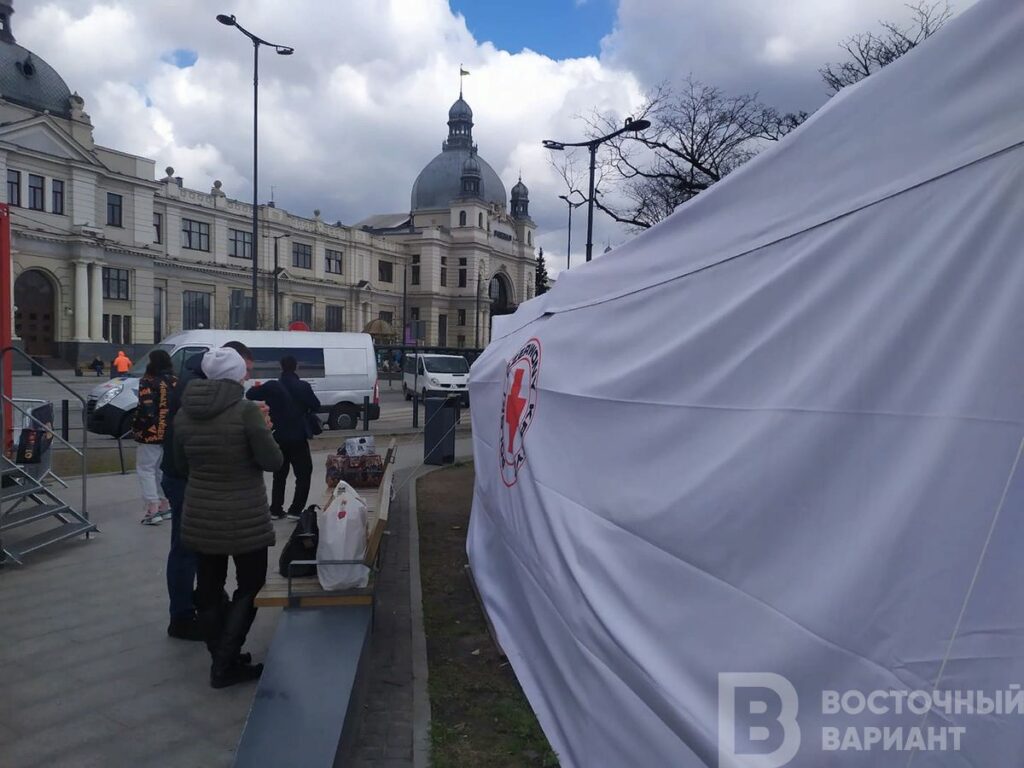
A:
<point x="780" y="433"/>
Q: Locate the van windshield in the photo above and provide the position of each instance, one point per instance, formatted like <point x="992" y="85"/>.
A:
<point x="139" y="366"/>
<point x="446" y="364"/>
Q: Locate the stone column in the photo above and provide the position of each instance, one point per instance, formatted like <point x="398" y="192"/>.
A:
<point x="96" y="303"/>
<point x="81" y="301"/>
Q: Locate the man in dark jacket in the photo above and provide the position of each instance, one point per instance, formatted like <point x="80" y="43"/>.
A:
<point x="292" y="405"/>
<point x="181" y="561"/>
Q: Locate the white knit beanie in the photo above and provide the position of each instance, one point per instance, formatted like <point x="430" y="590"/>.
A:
<point x="224" y="363"/>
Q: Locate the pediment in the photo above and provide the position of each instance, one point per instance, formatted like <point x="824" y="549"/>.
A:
<point x="39" y="135"/>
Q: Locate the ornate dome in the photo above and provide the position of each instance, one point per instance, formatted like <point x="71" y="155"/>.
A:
<point x="471" y="167"/>
<point x="520" y="191"/>
<point x="440" y="182"/>
<point x="27" y="80"/>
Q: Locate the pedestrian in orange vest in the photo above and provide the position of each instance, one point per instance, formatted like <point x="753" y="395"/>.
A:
<point x="122" y="364"/>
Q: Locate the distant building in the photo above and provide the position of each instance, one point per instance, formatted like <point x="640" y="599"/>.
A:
<point x="106" y="256"/>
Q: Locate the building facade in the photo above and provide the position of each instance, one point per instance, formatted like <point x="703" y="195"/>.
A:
<point x="106" y="255"/>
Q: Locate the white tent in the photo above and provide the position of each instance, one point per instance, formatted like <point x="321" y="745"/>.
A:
<point x="779" y="434"/>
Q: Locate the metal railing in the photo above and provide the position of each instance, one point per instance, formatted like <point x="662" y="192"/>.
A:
<point x="6" y="397"/>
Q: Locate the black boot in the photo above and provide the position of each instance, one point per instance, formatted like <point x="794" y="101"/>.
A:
<point x="228" y="667"/>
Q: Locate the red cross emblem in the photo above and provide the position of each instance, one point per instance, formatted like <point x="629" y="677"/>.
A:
<point x="518" y="405"/>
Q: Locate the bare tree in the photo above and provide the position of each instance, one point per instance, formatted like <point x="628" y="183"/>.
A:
<point x="868" y="52"/>
<point x="697" y="136"/>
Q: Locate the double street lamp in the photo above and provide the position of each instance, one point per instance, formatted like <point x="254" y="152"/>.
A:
<point x="572" y="204"/>
<point x="282" y="50"/>
<point x="592" y="145"/>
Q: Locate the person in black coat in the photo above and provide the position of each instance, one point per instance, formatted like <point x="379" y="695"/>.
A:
<point x="292" y="406"/>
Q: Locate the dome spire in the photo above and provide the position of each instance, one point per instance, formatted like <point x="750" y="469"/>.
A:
<point x="6" y="33"/>
<point x="460" y="126"/>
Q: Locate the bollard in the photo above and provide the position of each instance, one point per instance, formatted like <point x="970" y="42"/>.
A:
<point x="65" y="414"/>
<point x="415" y="410"/>
<point x="366" y="414"/>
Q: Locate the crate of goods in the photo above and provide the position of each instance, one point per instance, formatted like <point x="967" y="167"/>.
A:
<point x="358" y="471"/>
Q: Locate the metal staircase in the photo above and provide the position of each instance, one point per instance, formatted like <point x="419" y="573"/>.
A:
<point x="31" y="502"/>
<point x="24" y="499"/>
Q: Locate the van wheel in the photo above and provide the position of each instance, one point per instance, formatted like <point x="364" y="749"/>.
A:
<point x="343" y="417"/>
<point x="406" y="392"/>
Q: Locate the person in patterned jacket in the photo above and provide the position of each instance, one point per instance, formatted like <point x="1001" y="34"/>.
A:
<point x="148" y="431"/>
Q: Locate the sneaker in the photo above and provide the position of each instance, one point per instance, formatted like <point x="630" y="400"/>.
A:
<point x="154" y="519"/>
<point x="277" y="514"/>
<point x="294" y="516"/>
<point x="164" y="515"/>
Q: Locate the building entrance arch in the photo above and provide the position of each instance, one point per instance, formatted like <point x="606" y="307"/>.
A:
<point x="35" y="314"/>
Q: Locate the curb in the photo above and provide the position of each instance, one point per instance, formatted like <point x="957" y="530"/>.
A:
<point x="420" y="691"/>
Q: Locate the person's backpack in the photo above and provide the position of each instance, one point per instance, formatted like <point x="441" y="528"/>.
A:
<point x="301" y="545"/>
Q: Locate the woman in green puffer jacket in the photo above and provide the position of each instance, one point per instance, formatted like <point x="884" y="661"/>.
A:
<point x="223" y="444"/>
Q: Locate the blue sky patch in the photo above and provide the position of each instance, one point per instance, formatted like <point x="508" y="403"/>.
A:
<point x="561" y="29"/>
<point x="182" y="58"/>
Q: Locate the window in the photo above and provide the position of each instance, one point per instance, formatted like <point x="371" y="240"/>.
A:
<point x="35" y="192"/>
<point x="385" y="272"/>
<point x="444" y="271"/>
<point x="57" y="197"/>
<point x="14" y="187"/>
<point x="195" y="309"/>
<point x="267" y="361"/>
<point x="442" y="330"/>
<point x="114" y="210"/>
<point x="416" y="270"/>
<point x="462" y="218"/>
<point x="302" y="255"/>
<point x="334" y="320"/>
<point x="480" y="220"/>
<point x="461" y="317"/>
<point x="158" y="227"/>
<point x="117" y="329"/>
<point x="332" y="262"/>
<point x="462" y="273"/>
<point x="529" y="238"/>
<point x="240" y="244"/>
<point x="387" y="317"/>
<point x="239" y="308"/>
<point x="303" y="311"/>
<point x="461" y="341"/>
<point x="195" y="236"/>
<point x="115" y="283"/>
<point x="158" y="314"/>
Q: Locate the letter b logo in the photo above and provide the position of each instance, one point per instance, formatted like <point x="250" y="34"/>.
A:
<point x="757" y="725"/>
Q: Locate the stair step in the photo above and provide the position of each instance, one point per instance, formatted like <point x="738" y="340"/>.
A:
<point x="21" y="548"/>
<point x="10" y="469"/>
<point x="30" y="515"/>
<point x="12" y="492"/>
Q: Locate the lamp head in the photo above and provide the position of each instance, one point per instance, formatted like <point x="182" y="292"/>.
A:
<point x="637" y="125"/>
<point x="549" y="144"/>
<point x="226" y="20"/>
<point x="284" y="50"/>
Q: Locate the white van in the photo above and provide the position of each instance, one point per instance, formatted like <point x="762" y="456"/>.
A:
<point x="438" y="375"/>
<point x="341" y="368"/>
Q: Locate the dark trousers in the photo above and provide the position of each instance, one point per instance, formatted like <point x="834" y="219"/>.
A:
<point x="227" y="624"/>
<point x="296" y="456"/>
<point x="181" y="561"/>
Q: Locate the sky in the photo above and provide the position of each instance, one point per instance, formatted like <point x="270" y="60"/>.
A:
<point x="349" y="120"/>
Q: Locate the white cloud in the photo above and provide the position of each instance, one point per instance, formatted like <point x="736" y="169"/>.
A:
<point x="349" y="120"/>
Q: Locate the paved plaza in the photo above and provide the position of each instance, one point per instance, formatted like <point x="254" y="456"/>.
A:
<point x="91" y="678"/>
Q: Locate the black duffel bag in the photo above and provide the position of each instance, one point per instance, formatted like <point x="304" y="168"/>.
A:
<point x="301" y="545"/>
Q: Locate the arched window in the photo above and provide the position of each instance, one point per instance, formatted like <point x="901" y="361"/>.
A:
<point x="480" y="220"/>
<point x="529" y="238"/>
<point x="462" y="218"/>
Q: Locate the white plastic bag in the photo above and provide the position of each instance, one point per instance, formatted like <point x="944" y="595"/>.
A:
<point x="342" y="525"/>
<point x="360" y="446"/>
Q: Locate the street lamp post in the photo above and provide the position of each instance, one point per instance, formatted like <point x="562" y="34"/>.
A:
<point x="277" y="272"/>
<point x="571" y="204"/>
<point x="283" y="50"/>
<point x="592" y="145"/>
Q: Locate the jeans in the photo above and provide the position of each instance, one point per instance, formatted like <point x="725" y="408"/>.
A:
<point x="147" y="467"/>
<point x="181" y="561"/>
<point x="296" y="455"/>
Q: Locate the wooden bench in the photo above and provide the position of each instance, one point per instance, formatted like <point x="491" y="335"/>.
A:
<point x="306" y="704"/>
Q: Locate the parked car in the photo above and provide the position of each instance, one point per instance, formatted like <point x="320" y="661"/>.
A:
<point x="341" y="368"/>
<point x="435" y="376"/>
